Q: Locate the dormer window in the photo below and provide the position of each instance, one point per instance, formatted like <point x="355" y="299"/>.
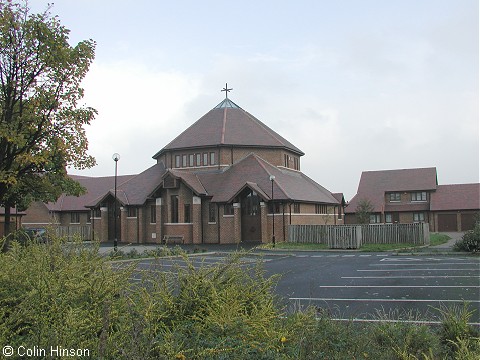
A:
<point x="419" y="196"/>
<point x="395" y="197"/>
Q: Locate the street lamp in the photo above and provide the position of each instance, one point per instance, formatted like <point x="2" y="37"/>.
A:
<point x="115" y="158"/>
<point x="272" y="178"/>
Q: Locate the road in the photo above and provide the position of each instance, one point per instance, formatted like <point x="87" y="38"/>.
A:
<point x="363" y="286"/>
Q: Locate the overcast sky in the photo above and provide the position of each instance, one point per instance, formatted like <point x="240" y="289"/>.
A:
<point x="356" y="85"/>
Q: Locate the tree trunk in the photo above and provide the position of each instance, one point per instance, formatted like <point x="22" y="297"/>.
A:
<point x="6" y="228"/>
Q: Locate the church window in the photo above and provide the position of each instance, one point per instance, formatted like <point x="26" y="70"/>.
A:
<point x="174" y="208"/>
<point x="205" y="159"/>
<point x="199" y="158"/>
<point x="321" y="209"/>
<point x="212" y="158"/>
<point x="75" y="218"/>
<point x="184" y="161"/>
<point x="177" y="161"/>
<point x="132" y="212"/>
<point x="296" y="163"/>
<point x="296" y="208"/>
<point x="190" y="158"/>
<point x="228" y="210"/>
<point x="285" y="160"/>
<point x="153" y="214"/>
<point x="212" y="213"/>
<point x="187" y="218"/>
<point x="274" y="208"/>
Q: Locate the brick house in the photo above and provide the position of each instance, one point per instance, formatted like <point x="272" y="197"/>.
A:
<point x="413" y="195"/>
<point x="212" y="184"/>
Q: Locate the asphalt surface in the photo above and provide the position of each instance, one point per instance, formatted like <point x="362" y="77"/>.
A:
<point x="355" y="285"/>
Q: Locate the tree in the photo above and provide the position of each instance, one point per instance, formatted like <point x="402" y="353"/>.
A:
<point x="363" y="210"/>
<point x="41" y="123"/>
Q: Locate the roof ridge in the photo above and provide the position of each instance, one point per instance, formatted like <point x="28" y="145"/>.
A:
<point x="257" y="158"/>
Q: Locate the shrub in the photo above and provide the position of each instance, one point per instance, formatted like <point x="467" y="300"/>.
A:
<point x="470" y="240"/>
<point x="456" y="332"/>
<point x="57" y="295"/>
<point x="67" y="295"/>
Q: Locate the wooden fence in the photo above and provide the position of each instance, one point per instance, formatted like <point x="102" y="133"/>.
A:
<point x="73" y="232"/>
<point x="353" y="236"/>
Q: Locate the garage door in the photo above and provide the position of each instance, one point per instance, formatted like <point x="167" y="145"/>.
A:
<point x="447" y="222"/>
<point x="468" y="221"/>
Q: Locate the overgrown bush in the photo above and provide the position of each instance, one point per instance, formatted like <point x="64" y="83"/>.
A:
<point x="67" y="295"/>
<point x="470" y="240"/>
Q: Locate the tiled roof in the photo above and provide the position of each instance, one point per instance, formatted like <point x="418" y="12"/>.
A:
<point x="191" y="179"/>
<point x="456" y="197"/>
<point x="253" y="171"/>
<point x="136" y="189"/>
<point x="95" y="187"/>
<point x="374" y="184"/>
<point x="225" y="125"/>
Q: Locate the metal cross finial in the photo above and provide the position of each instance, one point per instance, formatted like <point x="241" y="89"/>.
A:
<point x="227" y="90"/>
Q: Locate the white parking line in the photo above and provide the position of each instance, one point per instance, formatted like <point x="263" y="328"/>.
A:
<point x="399" y="286"/>
<point x="425" y="264"/>
<point x="384" y="300"/>
<point x="409" y="277"/>
<point x="428" y="269"/>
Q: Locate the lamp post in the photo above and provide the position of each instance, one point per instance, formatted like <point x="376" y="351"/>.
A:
<point x="272" y="179"/>
<point x="115" y="158"/>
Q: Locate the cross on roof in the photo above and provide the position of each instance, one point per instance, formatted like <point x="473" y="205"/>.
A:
<point x="227" y="90"/>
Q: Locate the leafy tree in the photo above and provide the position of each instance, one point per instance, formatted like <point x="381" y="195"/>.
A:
<point x="363" y="211"/>
<point x="41" y="123"/>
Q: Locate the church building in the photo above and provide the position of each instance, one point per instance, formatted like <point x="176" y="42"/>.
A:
<point x="227" y="178"/>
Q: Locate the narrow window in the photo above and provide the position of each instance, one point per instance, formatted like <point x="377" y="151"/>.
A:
<point x="190" y="158"/>
<point x="187" y="218"/>
<point x="296" y="208"/>
<point x="177" y="161"/>
<point x="174" y="208"/>
<point x="212" y="213"/>
<point x="228" y="209"/>
<point x="184" y="161"/>
<point x="212" y="158"/>
<point x="321" y="209"/>
<point x="153" y="214"/>
<point x="199" y="159"/>
<point x="132" y="211"/>
<point x="75" y="218"/>
<point x="205" y="159"/>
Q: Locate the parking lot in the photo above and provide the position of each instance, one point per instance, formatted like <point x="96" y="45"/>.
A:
<point x="360" y="286"/>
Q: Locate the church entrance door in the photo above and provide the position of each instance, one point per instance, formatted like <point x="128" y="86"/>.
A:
<point x="111" y="220"/>
<point x="251" y="220"/>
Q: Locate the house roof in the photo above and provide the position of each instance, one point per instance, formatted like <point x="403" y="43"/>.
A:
<point x="228" y="124"/>
<point x="374" y="184"/>
<point x="456" y="197"/>
<point x="254" y="172"/>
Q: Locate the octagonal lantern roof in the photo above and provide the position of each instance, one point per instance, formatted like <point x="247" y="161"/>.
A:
<point x="227" y="124"/>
